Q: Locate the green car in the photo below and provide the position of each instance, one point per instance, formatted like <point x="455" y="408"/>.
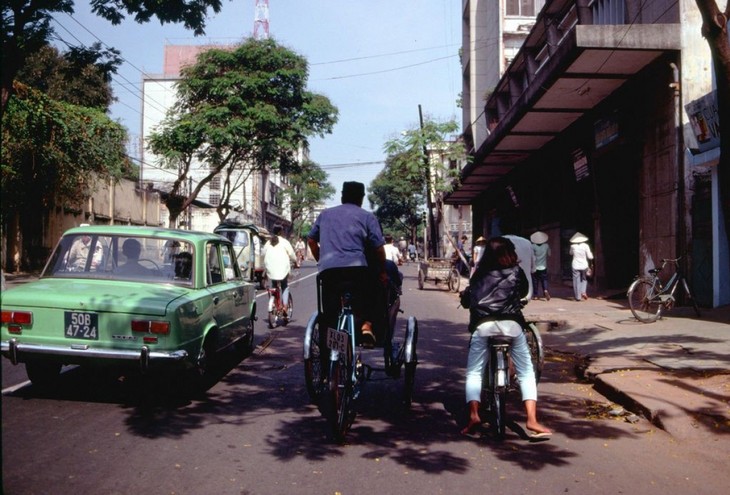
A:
<point x="137" y="297"/>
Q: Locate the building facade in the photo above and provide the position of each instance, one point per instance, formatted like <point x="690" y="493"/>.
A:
<point x="602" y="124"/>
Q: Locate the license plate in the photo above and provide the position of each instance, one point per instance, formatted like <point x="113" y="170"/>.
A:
<point x="81" y="325"/>
<point x="337" y="341"/>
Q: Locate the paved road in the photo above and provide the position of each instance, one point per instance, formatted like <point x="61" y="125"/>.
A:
<point x="255" y="432"/>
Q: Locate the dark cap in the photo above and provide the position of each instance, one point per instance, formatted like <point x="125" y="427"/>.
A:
<point x="353" y="189"/>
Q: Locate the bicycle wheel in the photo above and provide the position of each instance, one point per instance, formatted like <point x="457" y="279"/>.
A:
<point x="497" y="396"/>
<point x="314" y="359"/>
<point x="289" y="310"/>
<point x="454" y="280"/>
<point x="644" y="302"/>
<point x="272" y="319"/>
<point x="690" y="297"/>
<point x="537" y="353"/>
<point x="340" y="413"/>
<point x="411" y="360"/>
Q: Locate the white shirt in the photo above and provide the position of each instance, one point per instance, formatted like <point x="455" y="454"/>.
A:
<point x="278" y="259"/>
<point x="392" y="253"/>
<point x="581" y="254"/>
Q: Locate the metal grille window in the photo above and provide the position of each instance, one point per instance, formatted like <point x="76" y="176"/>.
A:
<point x="523" y="8"/>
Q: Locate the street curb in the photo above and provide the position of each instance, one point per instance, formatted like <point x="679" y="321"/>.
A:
<point x="616" y="395"/>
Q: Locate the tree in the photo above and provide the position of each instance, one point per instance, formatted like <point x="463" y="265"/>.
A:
<point x="80" y="76"/>
<point x="398" y="202"/>
<point x="308" y="188"/>
<point x="26" y="25"/>
<point x="428" y="156"/>
<point x="238" y="111"/>
<point x="51" y="153"/>
<point x="715" y="31"/>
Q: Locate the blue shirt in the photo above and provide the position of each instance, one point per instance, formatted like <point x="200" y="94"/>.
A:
<point x="343" y="232"/>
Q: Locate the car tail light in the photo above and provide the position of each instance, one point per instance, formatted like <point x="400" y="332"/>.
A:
<point x="17" y="317"/>
<point x="151" y="326"/>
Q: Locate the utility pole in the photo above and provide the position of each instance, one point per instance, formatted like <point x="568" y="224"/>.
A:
<point x="261" y="20"/>
<point x="432" y="246"/>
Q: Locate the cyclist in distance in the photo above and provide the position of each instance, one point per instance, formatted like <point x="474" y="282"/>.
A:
<point x="278" y="258"/>
<point x="498" y="286"/>
<point x="347" y="243"/>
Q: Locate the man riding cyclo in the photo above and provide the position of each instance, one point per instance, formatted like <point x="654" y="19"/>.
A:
<point x="348" y="244"/>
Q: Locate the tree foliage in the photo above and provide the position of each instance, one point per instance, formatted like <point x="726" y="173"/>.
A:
<point x="715" y="31"/>
<point x="238" y="111"/>
<point x="80" y="76"/>
<point x="419" y="160"/>
<point x="53" y="150"/>
<point x="26" y="25"/>
<point x="398" y="200"/>
<point x="308" y="187"/>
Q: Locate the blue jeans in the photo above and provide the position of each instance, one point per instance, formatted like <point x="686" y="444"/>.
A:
<point x="479" y="358"/>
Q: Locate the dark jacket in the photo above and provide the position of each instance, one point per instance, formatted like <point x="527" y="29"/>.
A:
<point x="496" y="295"/>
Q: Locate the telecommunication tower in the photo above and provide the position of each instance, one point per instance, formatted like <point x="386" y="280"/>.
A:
<point x="261" y="20"/>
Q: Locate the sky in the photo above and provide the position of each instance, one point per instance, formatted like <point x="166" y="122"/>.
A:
<point x="376" y="60"/>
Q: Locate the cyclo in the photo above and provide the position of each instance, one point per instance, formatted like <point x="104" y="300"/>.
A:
<point x="334" y="368"/>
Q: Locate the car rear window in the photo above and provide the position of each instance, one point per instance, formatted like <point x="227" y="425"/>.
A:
<point x="152" y="259"/>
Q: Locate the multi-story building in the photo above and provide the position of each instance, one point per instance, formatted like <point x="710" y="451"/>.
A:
<point x="258" y="200"/>
<point x="605" y="123"/>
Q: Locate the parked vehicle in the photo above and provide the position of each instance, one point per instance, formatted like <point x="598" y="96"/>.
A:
<point x="248" y="241"/>
<point x="137" y="297"/>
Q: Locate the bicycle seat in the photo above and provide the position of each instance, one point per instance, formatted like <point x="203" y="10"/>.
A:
<point x="654" y="271"/>
<point x="500" y="340"/>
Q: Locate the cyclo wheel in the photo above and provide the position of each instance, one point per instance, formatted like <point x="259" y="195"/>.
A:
<point x="454" y="280"/>
<point x="644" y="302"/>
<point x="537" y="353"/>
<point x="339" y="411"/>
<point x="410" y="359"/>
<point x="314" y="358"/>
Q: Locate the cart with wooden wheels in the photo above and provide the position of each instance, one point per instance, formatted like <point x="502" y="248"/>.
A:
<point x="440" y="271"/>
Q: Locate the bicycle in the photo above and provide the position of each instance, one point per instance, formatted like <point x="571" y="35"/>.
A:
<point x="278" y="312"/>
<point x="498" y="377"/>
<point x="335" y="371"/>
<point x="648" y="296"/>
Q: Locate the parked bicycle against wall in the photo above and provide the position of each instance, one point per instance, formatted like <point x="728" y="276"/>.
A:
<point x="497" y="376"/>
<point x="278" y="311"/>
<point x="648" y="296"/>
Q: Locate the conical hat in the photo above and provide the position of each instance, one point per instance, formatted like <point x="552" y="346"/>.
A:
<point x="577" y="238"/>
<point x="539" y="237"/>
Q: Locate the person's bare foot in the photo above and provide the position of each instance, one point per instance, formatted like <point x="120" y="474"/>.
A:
<point x="538" y="428"/>
<point x="471" y="427"/>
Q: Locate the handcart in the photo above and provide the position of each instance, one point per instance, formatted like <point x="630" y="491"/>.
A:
<point x="439" y="270"/>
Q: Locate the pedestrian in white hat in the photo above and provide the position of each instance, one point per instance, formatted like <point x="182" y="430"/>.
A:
<point x="582" y="257"/>
<point x="541" y="250"/>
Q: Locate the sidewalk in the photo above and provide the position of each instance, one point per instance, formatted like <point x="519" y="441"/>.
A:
<point x="675" y="371"/>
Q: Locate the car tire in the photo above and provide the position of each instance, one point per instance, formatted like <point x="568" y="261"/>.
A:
<point x="43" y="374"/>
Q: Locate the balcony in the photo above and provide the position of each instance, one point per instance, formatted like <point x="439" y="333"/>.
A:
<point x="578" y="53"/>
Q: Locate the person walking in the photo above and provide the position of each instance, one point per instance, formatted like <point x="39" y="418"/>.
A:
<point x="541" y="251"/>
<point x="348" y="244"/>
<point x="582" y="257"/>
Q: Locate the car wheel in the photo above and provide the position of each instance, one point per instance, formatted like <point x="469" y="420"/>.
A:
<point x="43" y="374"/>
<point x="207" y="369"/>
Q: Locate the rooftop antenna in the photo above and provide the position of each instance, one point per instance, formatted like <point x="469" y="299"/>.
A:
<point x="261" y="20"/>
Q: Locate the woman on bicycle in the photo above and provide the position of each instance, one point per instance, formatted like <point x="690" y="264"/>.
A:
<point x="278" y="258"/>
<point x="498" y="286"/>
